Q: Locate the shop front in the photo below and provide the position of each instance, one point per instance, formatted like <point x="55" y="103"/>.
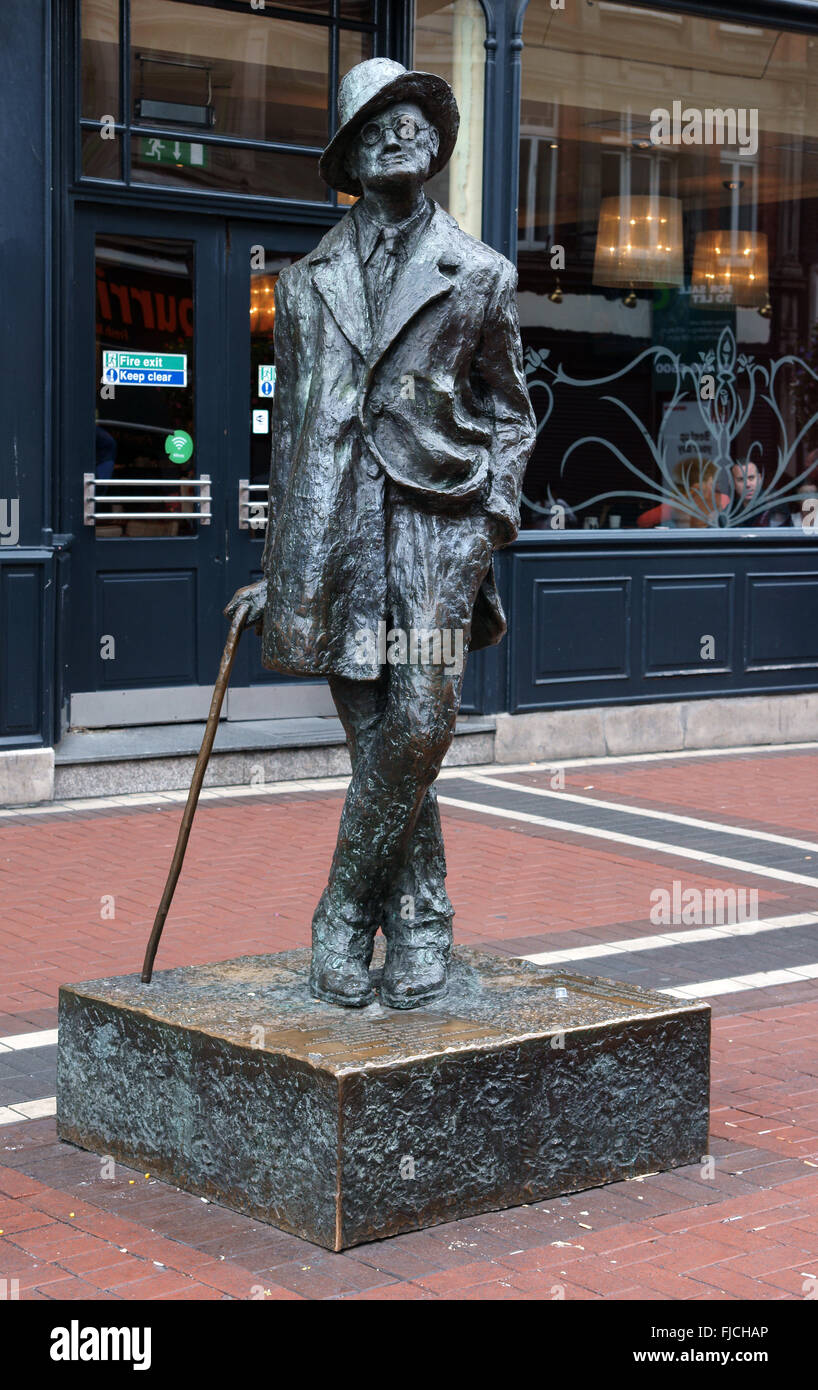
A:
<point x="668" y="262"/>
<point x="654" y="170"/>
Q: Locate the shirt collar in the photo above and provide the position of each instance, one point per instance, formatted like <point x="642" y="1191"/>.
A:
<point x="369" y="231"/>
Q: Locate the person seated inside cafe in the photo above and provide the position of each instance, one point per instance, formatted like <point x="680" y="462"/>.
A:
<point x="747" y="479"/>
<point x="695" y="480"/>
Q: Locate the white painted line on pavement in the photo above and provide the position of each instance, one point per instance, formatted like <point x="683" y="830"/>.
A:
<point x="651" y="814"/>
<point x="617" y="759"/>
<point x="16" y="1042"/>
<point x="619" y="837"/>
<point x="28" y="1110"/>
<point x="675" y="938"/>
<point x="762" y="979"/>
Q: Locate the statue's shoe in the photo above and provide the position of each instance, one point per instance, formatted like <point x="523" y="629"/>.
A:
<point x="341" y="953"/>
<point x="413" y="975"/>
<point x="340" y="979"/>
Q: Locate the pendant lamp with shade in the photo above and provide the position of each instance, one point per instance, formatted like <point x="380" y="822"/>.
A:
<point x="639" y="243"/>
<point x="734" y="265"/>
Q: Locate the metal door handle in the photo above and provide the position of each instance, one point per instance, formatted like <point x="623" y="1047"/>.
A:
<point x="105" y="490"/>
<point x="252" y="509"/>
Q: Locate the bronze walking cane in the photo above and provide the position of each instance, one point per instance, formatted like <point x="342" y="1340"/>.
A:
<point x="228" y="656"/>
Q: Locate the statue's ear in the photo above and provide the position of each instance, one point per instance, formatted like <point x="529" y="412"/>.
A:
<point x="434" y="139"/>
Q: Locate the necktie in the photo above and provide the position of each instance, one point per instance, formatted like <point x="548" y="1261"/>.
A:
<point x="388" y="260"/>
<point x="379" y="273"/>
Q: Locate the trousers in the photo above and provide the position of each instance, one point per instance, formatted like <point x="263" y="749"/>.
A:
<point x="389" y="865"/>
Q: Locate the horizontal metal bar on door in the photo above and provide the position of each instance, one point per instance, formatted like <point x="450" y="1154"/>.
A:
<point x="203" y="481"/>
<point x="156" y="516"/>
<point x="193" y="505"/>
<point x="144" y="497"/>
<point x="258" y="520"/>
<point x="113" y="518"/>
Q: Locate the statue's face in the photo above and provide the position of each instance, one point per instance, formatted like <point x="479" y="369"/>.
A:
<point x="396" y="146"/>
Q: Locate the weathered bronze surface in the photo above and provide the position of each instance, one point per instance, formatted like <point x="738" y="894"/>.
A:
<point x="231" y="1081"/>
<point x="401" y="431"/>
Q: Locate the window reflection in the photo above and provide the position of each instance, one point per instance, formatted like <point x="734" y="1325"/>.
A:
<point x="353" y="47"/>
<point x="449" y="41"/>
<point x="262" y="173"/>
<point x="144" y="305"/>
<point x="220" y="95"/>
<point x="100" y="158"/>
<point x="235" y="73"/>
<point x="100" y="58"/>
<point x="668" y="290"/>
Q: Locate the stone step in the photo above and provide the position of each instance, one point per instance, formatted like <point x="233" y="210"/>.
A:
<point x="161" y="757"/>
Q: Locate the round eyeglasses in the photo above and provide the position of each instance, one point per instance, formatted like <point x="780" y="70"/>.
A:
<point x="405" y="127"/>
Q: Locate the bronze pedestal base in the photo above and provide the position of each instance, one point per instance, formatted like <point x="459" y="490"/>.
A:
<point x="344" y="1126"/>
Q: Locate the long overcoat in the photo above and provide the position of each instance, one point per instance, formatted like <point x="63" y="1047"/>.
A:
<point x="435" y="400"/>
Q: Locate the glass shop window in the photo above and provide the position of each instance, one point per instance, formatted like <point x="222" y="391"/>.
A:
<point x="217" y="96"/>
<point x="668" y="269"/>
<point x="265" y="267"/>
<point x="449" y="41"/>
<point x="145" y="465"/>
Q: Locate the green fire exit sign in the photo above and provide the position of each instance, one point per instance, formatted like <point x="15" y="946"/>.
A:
<point x="192" y="154"/>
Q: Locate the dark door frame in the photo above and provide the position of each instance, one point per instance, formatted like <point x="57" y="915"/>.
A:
<point x="157" y="554"/>
<point x="223" y="556"/>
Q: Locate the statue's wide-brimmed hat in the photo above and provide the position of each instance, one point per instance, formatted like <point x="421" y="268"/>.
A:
<point x="370" y="87"/>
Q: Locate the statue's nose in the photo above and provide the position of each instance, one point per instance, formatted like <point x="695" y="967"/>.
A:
<point x="390" y="139"/>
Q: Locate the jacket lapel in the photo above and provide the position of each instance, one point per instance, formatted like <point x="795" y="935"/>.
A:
<point x="418" y="283"/>
<point x="336" y="275"/>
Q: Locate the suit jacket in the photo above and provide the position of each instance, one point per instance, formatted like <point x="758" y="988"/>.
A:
<point x="435" y="400"/>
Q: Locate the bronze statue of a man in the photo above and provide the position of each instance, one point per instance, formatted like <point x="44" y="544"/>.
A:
<point x="401" y="431"/>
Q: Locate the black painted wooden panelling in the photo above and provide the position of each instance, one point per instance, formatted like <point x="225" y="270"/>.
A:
<point x="781" y="622"/>
<point x="21" y="632"/>
<point x="152" y="620"/>
<point x="685" y="619"/>
<point x="580" y="629"/>
<point x="756" y="597"/>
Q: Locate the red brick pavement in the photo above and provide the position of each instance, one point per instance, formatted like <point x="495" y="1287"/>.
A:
<point x="743" y="1226"/>
<point x="774" y="791"/>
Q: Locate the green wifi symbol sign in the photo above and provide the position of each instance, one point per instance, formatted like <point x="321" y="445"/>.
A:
<point x="179" y="446"/>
